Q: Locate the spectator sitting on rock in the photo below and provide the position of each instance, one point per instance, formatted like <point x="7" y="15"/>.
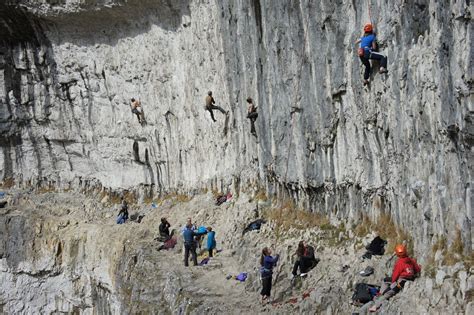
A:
<point x="305" y="260"/>
<point x="405" y="269"/>
<point x="164" y="229"/>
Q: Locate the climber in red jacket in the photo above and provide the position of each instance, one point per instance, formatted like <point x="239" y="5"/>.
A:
<point x="405" y="269"/>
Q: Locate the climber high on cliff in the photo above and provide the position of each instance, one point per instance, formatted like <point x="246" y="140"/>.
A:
<point x="137" y="109"/>
<point x="367" y="48"/>
<point x="210" y="105"/>
<point x="252" y="115"/>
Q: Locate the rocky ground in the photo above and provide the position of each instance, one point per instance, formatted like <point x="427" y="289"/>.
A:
<point x="67" y="246"/>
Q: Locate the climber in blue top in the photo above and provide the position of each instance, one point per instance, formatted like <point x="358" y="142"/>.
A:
<point x="367" y="51"/>
<point x="267" y="262"/>
<point x="189" y="236"/>
<point x="211" y="240"/>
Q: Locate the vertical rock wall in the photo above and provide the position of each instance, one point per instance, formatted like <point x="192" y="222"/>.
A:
<point x="403" y="146"/>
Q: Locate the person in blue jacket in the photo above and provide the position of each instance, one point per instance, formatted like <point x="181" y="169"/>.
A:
<point x="123" y="214"/>
<point x="211" y="240"/>
<point x="190" y="244"/>
<point x="368" y="45"/>
<point x="267" y="262"/>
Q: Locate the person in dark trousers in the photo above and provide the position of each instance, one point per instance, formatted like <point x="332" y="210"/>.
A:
<point x="211" y="240"/>
<point x="267" y="262"/>
<point x="252" y="115"/>
<point x="305" y="259"/>
<point x="368" y="45"/>
<point x="123" y="214"/>
<point x="137" y="109"/>
<point x="210" y="105"/>
<point x="164" y="229"/>
<point x="190" y="244"/>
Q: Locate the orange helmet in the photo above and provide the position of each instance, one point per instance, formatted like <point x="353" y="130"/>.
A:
<point x="401" y="250"/>
<point x="368" y="28"/>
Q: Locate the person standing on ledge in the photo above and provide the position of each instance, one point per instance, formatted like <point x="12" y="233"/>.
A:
<point x="267" y="262"/>
<point x="210" y="106"/>
<point x="190" y="244"/>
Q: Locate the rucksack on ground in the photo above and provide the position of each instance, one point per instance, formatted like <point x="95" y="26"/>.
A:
<point x="364" y="293"/>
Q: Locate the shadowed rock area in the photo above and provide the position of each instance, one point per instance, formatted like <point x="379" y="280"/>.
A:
<point x="398" y="150"/>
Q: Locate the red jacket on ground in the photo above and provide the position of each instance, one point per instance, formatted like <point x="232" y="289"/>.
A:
<point x="405" y="268"/>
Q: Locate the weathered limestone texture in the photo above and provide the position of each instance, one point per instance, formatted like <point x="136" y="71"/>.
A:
<point x="403" y="146"/>
<point x="63" y="253"/>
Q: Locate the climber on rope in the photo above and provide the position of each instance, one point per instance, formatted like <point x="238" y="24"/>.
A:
<point x="252" y="115"/>
<point x="210" y="106"/>
<point x="367" y="51"/>
<point x="122" y="217"/>
<point x="137" y="109"/>
<point x="405" y="269"/>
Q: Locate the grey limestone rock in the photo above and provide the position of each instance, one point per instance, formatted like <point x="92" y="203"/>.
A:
<point x="402" y="146"/>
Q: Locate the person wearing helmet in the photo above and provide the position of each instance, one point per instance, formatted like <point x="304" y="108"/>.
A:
<point x="367" y="47"/>
<point x="405" y="269"/>
<point x="210" y="105"/>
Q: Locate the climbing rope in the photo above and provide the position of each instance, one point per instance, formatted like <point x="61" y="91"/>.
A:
<point x="368" y="9"/>
<point x="297" y="88"/>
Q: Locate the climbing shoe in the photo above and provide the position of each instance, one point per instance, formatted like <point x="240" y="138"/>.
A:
<point x="367" y="271"/>
<point x="383" y="70"/>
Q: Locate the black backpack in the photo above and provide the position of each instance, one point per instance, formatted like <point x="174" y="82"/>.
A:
<point x="362" y="294"/>
<point x="377" y="246"/>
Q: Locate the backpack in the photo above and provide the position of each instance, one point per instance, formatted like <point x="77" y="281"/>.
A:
<point x="363" y="293"/>
<point x="309" y="251"/>
<point x="377" y="246"/>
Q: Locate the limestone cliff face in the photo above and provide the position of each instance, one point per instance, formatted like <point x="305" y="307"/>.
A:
<point x="403" y="146"/>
